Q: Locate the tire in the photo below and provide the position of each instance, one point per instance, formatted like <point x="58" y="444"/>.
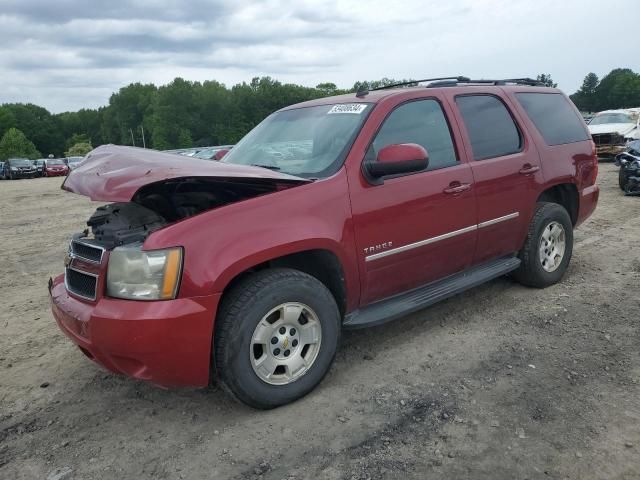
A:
<point x="622" y="179"/>
<point x="247" y="309"/>
<point x="533" y="272"/>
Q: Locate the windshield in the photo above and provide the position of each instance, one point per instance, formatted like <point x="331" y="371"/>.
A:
<point x="74" y="159"/>
<point x="55" y="162"/>
<point x="20" y="162"/>
<point x="307" y="142"/>
<point x="611" y="118"/>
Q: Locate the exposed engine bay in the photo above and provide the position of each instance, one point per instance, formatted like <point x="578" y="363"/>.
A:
<point x="158" y="204"/>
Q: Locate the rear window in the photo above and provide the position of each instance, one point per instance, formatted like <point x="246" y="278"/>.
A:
<point x="492" y="131"/>
<point x="554" y="117"/>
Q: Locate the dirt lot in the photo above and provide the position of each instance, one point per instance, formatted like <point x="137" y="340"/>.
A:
<point x="500" y="382"/>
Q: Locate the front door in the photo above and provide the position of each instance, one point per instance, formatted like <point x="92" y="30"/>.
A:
<point x="414" y="229"/>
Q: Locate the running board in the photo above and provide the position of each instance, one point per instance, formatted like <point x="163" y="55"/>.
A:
<point x="402" y="304"/>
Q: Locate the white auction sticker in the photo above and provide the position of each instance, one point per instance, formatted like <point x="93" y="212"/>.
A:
<point x="356" y="108"/>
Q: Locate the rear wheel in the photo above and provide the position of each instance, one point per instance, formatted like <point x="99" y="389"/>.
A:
<point x="548" y="247"/>
<point x="276" y="337"/>
<point x="622" y="179"/>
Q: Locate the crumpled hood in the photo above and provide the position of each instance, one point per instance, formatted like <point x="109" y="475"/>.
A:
<point x="113" y="173"/>
<point x="621" y="128"/>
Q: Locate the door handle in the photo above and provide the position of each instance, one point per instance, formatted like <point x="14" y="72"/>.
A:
<point x="457" y="187"/>
<point x="528" y="169"/>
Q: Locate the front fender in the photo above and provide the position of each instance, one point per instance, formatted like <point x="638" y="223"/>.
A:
<point x="222" y="243"/>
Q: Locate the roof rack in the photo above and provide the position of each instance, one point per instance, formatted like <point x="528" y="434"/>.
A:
<point x="515" y="81"/>
<point x="452" y="82"/>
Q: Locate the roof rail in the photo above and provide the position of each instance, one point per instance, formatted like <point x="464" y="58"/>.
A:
<point x="452" y="82"/>
<point x="362" y="91"/>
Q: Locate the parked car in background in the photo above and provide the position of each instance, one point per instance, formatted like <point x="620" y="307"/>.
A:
<point x="629" y="173"/>
<point x="340" y="212"/>
<point x="73" y="162"/>
<point x="187" y="152"/>
<point x="612" y="129"/>
<point x="39" y="164"/>
<point x="55" y="167"/>
<point x="2" y="170"/>
<point x="15" y="168"/>
<point x="213" y="153"/>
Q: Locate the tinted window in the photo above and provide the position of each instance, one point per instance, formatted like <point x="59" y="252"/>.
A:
<point x="422" y="122"/>
<point x="554" y="118"/>
<point x="491" y="129"/>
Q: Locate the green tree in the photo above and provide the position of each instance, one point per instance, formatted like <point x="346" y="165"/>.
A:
<point x="585" y="97"/>
<point x="129" y="108"/>
<point x="7" y="119"/>
<point x="79" y="150"/>
<point x="14" y="143"/>
<point x="617" y="89"/>
<point x="77" y="138"/>
<point x="42" y="128"/>
<point x="546" y="79"/>
<point x="327" y="89"/>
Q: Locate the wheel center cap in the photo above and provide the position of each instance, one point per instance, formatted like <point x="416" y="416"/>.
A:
<point x="285" y="342"/>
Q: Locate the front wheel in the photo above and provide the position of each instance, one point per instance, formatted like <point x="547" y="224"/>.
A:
<point x="276" y="337"/>
<point x="548" y="247"/>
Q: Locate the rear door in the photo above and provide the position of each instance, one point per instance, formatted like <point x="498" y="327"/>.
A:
<point x="416" y="228"/>
<point x="506" y="171"/>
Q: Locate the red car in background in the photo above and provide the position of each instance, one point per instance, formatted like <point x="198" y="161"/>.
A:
<point x="54" y="167"/>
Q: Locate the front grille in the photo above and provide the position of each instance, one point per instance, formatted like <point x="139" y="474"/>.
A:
<point x="80" y="283"/>
<point x="86" y="251"/>
<point x="607" y="139"/>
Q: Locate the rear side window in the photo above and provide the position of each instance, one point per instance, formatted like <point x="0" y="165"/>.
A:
<point x="554" y="118"/>
<point x="491" y="128"/>
<point x="422" y="122"/>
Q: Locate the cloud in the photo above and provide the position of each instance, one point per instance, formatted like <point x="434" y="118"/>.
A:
<point x="72" y="54"/>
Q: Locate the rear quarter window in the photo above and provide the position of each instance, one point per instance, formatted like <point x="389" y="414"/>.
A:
<point x="554" y="117"/>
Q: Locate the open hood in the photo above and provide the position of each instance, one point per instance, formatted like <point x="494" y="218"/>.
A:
<point x="112" y="173"/>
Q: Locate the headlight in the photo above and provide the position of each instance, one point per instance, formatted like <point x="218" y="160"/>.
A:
<point x="144" y="275"/>
<point x="14" y="168"/>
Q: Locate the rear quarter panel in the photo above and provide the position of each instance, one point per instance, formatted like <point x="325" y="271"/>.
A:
<point x="568" y="163"/>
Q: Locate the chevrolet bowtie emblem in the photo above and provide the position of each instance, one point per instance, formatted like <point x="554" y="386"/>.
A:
<point x="285" y="343"/>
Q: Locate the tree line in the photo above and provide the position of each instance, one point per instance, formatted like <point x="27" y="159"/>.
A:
<point x="620" y="88"/>
<point x="189" y="114"/>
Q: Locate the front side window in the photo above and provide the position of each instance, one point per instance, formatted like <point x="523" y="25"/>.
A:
<point x="422" y="122"/>
<point x="307" y="142"/>
<point x="491" y="128"/>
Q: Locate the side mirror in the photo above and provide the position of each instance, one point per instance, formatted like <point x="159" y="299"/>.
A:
<point x="397" y="159"/>
<point x="220" y="153"/>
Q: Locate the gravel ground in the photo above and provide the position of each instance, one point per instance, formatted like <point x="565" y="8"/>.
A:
<point x="502" y="382"/>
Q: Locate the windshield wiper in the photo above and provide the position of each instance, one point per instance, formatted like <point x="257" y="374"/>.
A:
<point x="270" y="167"/>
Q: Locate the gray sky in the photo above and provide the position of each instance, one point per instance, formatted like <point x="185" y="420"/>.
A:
<point x="71" y="54"/>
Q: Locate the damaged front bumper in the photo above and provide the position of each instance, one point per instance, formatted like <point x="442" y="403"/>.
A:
<point x="609" y="150"/>
<point x="165" y="342"/>
<point x="608" y="144"/>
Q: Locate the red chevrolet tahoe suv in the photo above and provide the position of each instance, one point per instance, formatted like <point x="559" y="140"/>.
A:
<point x="341" y="212"/>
